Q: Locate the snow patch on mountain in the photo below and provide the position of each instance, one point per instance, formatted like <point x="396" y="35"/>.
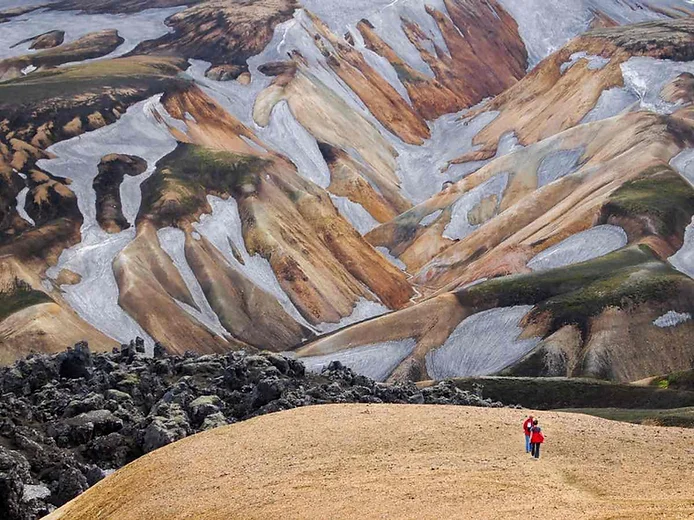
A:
<point x="459" y="227"/>
<point x="581" y="247"/>
<point x="482" y="344"/>
<point x="173" y="242"/>
<point x="376" y="361"/>
<point x="672" y="319"/>
<point x="140" y="133"/>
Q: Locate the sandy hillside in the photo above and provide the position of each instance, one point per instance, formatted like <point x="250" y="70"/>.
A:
<point x="367" y="461"/>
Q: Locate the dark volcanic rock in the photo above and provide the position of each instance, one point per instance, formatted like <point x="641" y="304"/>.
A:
<point x="65" y="420"/>
<point x="226" y="72"/>
<point x="75" y="362"/>
<point x="117" y="6"/>
<point x="112" y="170"/>
<point x="46" y="40"/>
<point x="223" y="33"/>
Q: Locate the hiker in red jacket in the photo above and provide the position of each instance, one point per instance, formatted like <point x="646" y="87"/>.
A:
<point x="536" y="439"/>
<point x="527" y="426"/>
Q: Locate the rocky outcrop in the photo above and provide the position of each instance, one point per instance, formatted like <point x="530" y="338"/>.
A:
<point x="93" y="45"/>
<point x="116" y="6"/>
<point x="68" y="419"/>
<point x="484" y="56"/>
<point x="13" y="12"/>
<point x="221" y="32"/>
<point x="47" y="40"/>
<point x="112" y="171"/>
<point x="351" y="179"/>
<point x="681" y="90"/>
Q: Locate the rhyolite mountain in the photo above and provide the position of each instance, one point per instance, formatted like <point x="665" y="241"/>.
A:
<point x="421" y="189"/>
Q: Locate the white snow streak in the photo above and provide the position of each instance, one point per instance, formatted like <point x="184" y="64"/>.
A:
<point x="223" y="228"/>
<point x="173" y="242"/>
<point x="672" y="319"/>
<point x="581" y="247"/>
<point x="137" y="133"/>
<point x="376" y="361"/>
<point x="482" y="344"/>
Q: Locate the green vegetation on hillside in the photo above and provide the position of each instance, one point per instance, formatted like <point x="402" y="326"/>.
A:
<point x="679" y="417"/>
<point x="573" y="294"/>
<point x="19" y="297"/>
<point x="677" y="381"/>
<point x="179" y="188"/>
<point x="659" y="194"/>
<point x="533" y="288"/>
<point x="649" y="282"/>
<point x="551" y="393"/>
<point x="97" y="78"/>
<point x="219" y="171"/>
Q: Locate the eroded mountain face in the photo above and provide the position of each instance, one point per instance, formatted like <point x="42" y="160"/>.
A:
<point x="420" y="189"/>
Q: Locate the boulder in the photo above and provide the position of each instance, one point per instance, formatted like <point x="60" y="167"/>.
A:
<point x="213" y="421"/>
<point x="70" y="484"/>
<point x="169" y="425"/>
<point x="203" y="406"/>
<point x="75" y="362"/>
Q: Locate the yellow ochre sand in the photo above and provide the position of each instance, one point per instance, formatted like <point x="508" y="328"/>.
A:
<point x="400" y="461"/>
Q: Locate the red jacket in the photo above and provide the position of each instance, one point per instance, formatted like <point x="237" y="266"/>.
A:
<point x="527" y="426"/>
<point x="536" y="436"/>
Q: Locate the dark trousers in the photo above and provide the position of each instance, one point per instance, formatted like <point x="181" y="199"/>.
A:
<point x="535" y="449"/>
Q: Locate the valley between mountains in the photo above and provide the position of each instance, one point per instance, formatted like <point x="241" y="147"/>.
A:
<point x="420" y="189"/>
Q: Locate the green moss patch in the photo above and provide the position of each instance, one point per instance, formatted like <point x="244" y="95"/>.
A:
<point x="573" y="294"/>
<point x="179" y="187"/>
<point x="534" y="288"/>
<point x="551" y="393"/>
<point x="677" y="381"/>
<point x="652" y="282"/>
<point x="659" y="194"/>
<point x="405" y="75"/>
<point x="218" y="171"/>
<point x="20" y="297"/>
<point x="92" y="77"/>
<point x="678" y="417"/>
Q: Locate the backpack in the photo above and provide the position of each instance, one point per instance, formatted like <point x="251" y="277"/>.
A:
<point x="537" y="431"/>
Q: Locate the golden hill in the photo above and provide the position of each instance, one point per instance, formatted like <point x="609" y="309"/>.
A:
<point x="370" y="461"/>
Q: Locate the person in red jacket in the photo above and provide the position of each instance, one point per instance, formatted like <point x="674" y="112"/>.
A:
<point x="527" y="426"/>
<point x="536" y="439"/>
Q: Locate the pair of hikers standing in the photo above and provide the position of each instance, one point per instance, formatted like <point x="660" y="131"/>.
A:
<point x="533" y="436"/>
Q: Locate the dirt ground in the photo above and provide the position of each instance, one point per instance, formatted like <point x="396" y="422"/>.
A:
<point x="387" y="461"/>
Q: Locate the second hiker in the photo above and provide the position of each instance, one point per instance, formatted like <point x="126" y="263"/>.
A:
<point x="536" y="439"/>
